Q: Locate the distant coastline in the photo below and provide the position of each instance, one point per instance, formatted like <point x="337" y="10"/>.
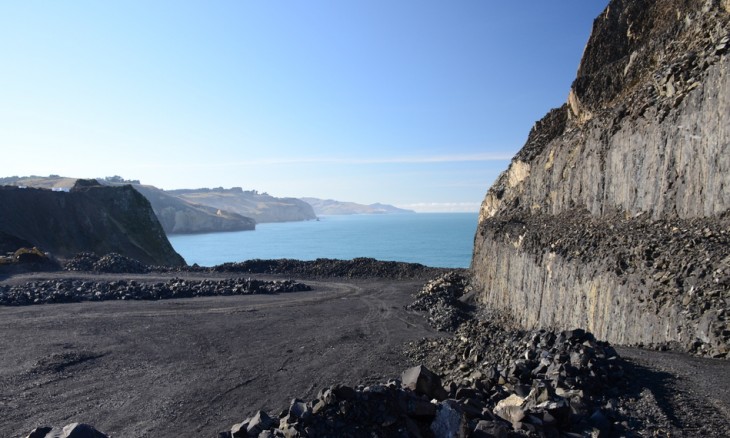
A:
<point x="441" y="240"/>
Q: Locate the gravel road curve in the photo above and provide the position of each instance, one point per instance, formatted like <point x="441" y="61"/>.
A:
<point x="193" y="367"/>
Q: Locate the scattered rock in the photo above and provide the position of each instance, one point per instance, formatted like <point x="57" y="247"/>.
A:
<point x="361" y="267"/>
<point x="74" y="430"/>
<point x="441" y="298"/>
<point x="422" y="381"/>
<point x="72" y="291"/>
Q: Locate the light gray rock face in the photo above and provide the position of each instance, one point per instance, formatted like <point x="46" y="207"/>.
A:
<point x="643" y="139"/>
<point x="675" y="164"/>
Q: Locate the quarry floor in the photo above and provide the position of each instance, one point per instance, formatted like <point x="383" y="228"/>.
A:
<point x="193" y="367"/>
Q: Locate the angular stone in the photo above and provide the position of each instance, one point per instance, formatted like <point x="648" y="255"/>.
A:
<point x="39" y="432"/>
<point x="450" y="421"/>
<point x="240" y="430"/>
<point x="511" y="409"/>
<point x="344" y="393"/>
<point x="299" y="409"/>
<point x="421" y="380"/>
<point x="489" y="429"/>
<point x="600" y="423"/>
<point x="75" y="430"/>
<point x="260" y="422"/>
<point x="418" y="407"/>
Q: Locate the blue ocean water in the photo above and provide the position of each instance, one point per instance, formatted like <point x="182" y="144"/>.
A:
<point x="432" y="239"/>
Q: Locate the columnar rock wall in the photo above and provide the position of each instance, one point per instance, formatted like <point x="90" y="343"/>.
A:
<point x="643" y="139"/>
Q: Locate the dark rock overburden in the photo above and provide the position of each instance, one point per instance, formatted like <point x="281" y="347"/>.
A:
<point x="613" y="216"/>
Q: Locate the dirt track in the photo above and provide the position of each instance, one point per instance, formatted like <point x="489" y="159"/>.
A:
<point x="193" y="367"/>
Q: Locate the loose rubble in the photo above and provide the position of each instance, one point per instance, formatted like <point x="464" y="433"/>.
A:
<point x="109" y="263"/>
<point x="361" y="267"/>
<point x="440" y="297"/>
<point x="487" y="381"/>
<point x="73" y="291"/>
<point x="544" y="384"/>
<point x="73" y="430"/>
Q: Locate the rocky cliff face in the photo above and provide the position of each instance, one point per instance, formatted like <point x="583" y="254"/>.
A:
<point x="614" y="215"/>
<point x="89" y="217"/>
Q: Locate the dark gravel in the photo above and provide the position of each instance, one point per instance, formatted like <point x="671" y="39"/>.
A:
<point x="74" y="290"/>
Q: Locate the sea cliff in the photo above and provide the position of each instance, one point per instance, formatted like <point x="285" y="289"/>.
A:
<point x="614" y="215"/>
<point x="89" y="217"/>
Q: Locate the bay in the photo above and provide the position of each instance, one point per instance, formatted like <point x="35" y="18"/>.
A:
<point x="432" y="239"/>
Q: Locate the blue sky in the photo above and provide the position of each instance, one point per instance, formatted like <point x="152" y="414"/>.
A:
<point x="420" y="104"/>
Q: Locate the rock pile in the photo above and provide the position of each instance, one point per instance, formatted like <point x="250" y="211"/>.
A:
<point x="73" y="430"/>
<point x="499" y="382"/>
<point x="71" y="291"/>
<point x="360" y="267"/>
<point x="440" y="298"/>
<point x="537" y="383"/>
<point x="110" y="263"/>
<point x="540" y="381"/>
<point x="389" y="410"/>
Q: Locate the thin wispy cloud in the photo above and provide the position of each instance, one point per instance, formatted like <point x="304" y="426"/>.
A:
<point x="443" y="206"/>
<point x="456" y="158"/>
<point x="433" y="159"/>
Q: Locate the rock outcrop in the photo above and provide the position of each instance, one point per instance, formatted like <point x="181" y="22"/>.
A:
<point x="614" y="215"/>
<point x="89" y="217"/>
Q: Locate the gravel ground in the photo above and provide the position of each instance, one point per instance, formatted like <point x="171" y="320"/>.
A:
<point x="193" y="367"/>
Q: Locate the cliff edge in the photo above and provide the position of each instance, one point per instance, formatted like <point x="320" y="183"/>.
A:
<point x="90" y="217"/>
<point x="614" y="215"/>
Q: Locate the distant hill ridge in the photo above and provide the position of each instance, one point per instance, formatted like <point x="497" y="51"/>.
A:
<point x="330" y="206"/>
<point x="206" y="210"/>
<point x="261" y="207"/>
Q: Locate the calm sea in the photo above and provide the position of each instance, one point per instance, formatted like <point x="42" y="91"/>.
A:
<point x="433" y="239"/>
